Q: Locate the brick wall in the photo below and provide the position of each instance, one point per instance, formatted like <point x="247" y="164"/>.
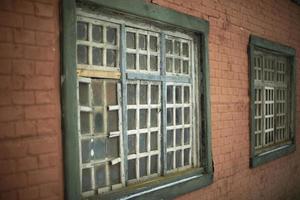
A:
<point x="30" y="134"/>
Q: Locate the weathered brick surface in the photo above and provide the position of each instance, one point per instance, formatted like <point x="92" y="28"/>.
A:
<point x="30" y="133"/>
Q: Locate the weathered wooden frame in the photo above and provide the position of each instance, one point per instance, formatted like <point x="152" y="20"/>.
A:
<point x="166" y="187"/>
<point x="258" y="42"/>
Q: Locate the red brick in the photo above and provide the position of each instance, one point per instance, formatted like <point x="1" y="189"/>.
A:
<point x="44" y="97"/>
<point x="10" y="150"/>
<point x="10" y="50"/>
<point x="49" y="190"/>
<point x="24" y="36"/>
<point x="5" y="66"/>
<point x="13" y="181"/>
<point x="26" y="164"/>
<point x="30" y="193"/>
<point x="26" y="128"/>
<point x="48" y="160"/>
<point x="10" y="195"/>
<point x="42" y="176"/>
<point x="43" y="145"/>
<point x="44" y="10"/>
<point x="44" y="68"/>
<point x="25" y="7"/>
<point x="40" y="111"/>
<point x="6" y="34"/>
<point x="10" y="113"/>
<point x="48" y="126"/>
<point x="23" y="98"/>
<point x="11" y="19"/>
<point x="38" y="23"/>
<point x="39" y="83"/>
<point x="45" y="39"/>
<point x="7" y="167"/>
<point x="23" y="67"/>
<point x="39" y="53"/>
<point x="7" y="130"/>
<point x="5" y="97"/>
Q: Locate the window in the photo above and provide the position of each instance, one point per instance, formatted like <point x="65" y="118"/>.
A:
<point x="136" y="103"/>
<point x="272" y="99"/>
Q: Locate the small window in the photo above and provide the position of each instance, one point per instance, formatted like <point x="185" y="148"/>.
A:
<point x="272" y="99"/>
<point x="139" y="96"/>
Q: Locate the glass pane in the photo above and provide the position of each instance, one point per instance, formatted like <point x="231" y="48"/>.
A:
<point x="111" y="93"/>
<point x="186" y="115"/>
<point x="186" y="136"/>
<point x="169" y="64"/>
<point x="86" y="147"/>
<point x="112" y="121"/>
<point x="186" y="157"/>
<point x="178" y="158"/>
<point x="111" y="35"/>
<point x="131" y="169"/>
<point x="86" y="179"/>
<point x="169" y="94"/>
<point x="169" y="46"/>
<point x="82" y="54"/>
<point x="143" y="62"/>
<point x="131" y="61"/>
<point x="100" y="176"/>
<point x="143" y="41"/>
<point x="143" y="142"/>
<point x="154" y="94"/>
<point x="115" y="176"/>
<point x="131" y="119"/>
<point x="111" y="56"/>
<point x="170" y="116"/>
<point x="143" y="94"/>
<point x="84" y="94"/>
<point x="178" y="94"/>
<point x="185" y="49"/>
<point x="186" y="95"/>
<point x="98" y="122"/>
<point x="153" y="43"/>
<point x="97" y="33"/>
<point x="82" y="31"/>
<point x="154" y="139"/>
<point x="97" y="56"/>
<point x="170" y="138"/>
<point x="177" y="66"/>
<point x="99" y="148"/>
<point x="154" y="117"/>
<point x="177" y="47"/>
<point x="131" y="144"/>
<point x="170" y="160"/>
<point x="143" y="118"/>
<point x="143" y="166"/>
<point x="130" y="40"/>
<point x="178" y="116"/>
<point x="113" y="147"/>
<point x="185" y="66"/>
<point x="131" y="94"/>
<point x="178" y="137"/>
<point x="153" y="63"/>
<point x="84" y="122"/>
<point x="154" y="165"/>
<point x="97" y="88"/>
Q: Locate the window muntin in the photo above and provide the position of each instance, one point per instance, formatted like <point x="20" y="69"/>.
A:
<point x="272" y="96"/>
<point x="147" y="95"/>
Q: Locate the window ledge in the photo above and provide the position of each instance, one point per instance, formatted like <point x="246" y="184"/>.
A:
<point x="272" y="155"/>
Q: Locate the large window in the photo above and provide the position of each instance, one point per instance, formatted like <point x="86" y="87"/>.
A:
<point x="273" y="91"/>
<point x="141" y="101"/>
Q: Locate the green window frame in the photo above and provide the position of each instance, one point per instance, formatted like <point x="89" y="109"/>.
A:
<point x="165" y="187"/>
<point x="272" y="100"/>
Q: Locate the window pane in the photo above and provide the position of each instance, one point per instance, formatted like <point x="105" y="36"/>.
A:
<point x="84" y="94"/>
<point x="154" y="164"/>
<point x="170" y="138"/>
<point x="143" y="166"/>
<point x="143" y="41"/>
<point x="100" y="176"/>
<point x="113" y="147"/>
<point x="111" y="35"/>
<point x="143" y="118"/>
<point x="97" y="88"/>
<point x="143" y="62"/>
<point x="82" y="31"/>
<point x="85" y="122"/>
<point x="82" y="54"/>
<point x="131" y="119"/>
<point x="154" y="117"/>
<point x="111" y="56"/>
<point x="185" y="49"/>
<point x="170" y="158"/>
<point x="143" y="94"/>
<point x="98" y="122"/>
<point x="143" y="142"/>
<point x="131" y="144"/>
<point x="153" y="63"/>
<point x="99" y="148"/>
<point x="130" y="40"/>
<point x="154" y="94"/>
<point x="112" y="121"/>
<point x="115" y="176"/>
<point x="169" y="46"/>
<point x="153" y="43"/>
<point x="154" y="141"/>
<point x="131" y="94"/>
<point x="131" y="169"/>
<point x="97" y="33"/>
<point x="111" y="93"/>
<point x="86" y="179"/>
<point x="97" y="56"/>
<point x="86" y="147"/>
<point x="131" y="61"/>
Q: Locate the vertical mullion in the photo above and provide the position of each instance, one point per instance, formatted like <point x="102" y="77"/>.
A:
<point x="137" y="112"/>
<point x="124" y="102"/>
<point x="164" y="106"/>
<point x="148" y="127"/>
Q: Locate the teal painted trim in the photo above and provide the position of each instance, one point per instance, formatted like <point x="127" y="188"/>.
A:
<point x="274" y="46"/>
<point x="69" y="103"/>
<point x="206" y="104"/>
<point x="156" y="13"/>
<point x="255" y="41"/>
<point x="268" y="157"/>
